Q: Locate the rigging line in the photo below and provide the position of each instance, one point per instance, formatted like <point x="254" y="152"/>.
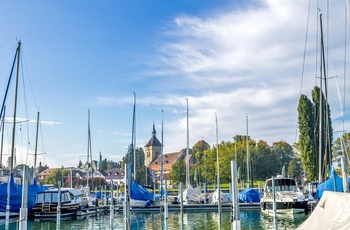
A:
<point x="25" y="105"/>
<point x="303" y="66"/>
<point x="42" y="139"/>
<point x="29" y="80"/>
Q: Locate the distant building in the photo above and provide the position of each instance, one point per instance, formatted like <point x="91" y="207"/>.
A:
<point x="153" y="161"/>
<point x="45" y="173"/>
<point x="168" y="160"/>
<point x="116" y="175"/>
<point x="152" y="148"/>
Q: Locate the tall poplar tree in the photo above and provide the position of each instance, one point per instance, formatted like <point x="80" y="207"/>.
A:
<point x="310" y="129"/>
<point x="306" y="137"/>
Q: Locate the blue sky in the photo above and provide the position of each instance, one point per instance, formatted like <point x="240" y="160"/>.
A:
<point x="230" y="58"/>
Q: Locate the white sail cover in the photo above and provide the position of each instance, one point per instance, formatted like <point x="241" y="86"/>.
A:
<point x="331" y="212"/>
<point x="191" y="194"/>
<point x="215" y="197"/>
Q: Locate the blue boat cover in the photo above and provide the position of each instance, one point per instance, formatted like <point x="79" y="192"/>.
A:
<point x="138" y="192"/>
<point x="334" y="183"/>
<point x="249" y="195"/>
<point x="16" y="195"/>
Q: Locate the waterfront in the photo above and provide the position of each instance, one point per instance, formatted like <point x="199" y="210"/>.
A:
<point x="250" y="219"/>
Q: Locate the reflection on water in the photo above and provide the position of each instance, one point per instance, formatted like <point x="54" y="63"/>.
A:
<point x="201" y="220"/>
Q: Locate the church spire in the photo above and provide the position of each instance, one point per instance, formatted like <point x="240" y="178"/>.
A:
<point x="154" y="131"/>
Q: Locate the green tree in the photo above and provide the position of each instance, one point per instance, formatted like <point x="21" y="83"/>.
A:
<point x="326" y="131"/>
<point x="306" y="126"/>
<point x="57" y="175"/>
<point x="178" y="172"/>
<point x="104" y="165"/>
<point x="283" y="151"/>
<point x="265" y="161"/>
<point x="198" y="151"/>
<point x="341" y="147"/>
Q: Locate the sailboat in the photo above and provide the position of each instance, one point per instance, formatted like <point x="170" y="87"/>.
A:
<point x="139" y="195"/>
<point x="11" y="192"/>
<point x="190" y="195"/>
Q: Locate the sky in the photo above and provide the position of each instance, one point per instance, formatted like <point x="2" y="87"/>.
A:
<point x="238" y="60"/>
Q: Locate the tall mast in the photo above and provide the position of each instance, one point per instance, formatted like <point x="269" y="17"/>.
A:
<point x="15" y="108"/>
<point x="217" y="146"/>
<point x="247" y="151"/>
<point x="89" y="151"/>
<point x="323" y="109"/>
<point x="13" y="135"/>
<point x="218" y="168"/>
<point x="135" y="176"/>
<point x="187" y="152"/>
<point x="36" y="144"/>
<point x="161" y="159"/>
<point x="132" y="150"/>
<point x="2" y="135"/>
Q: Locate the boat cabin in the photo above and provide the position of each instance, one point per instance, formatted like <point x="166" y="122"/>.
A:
<point x="281" y="184"/>
<point x="67" y="196"/>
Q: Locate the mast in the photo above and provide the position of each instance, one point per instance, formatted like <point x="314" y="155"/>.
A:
<point x="320" y="131"/>
<point x="2" y="135"/>
<point x="132" y="150"/>
<point x="187" y="152"/>
<point x="13" y="135"/>
<point x="324" y="150"/>
<point x="135" y="176"/>
<point x="89" y="152"/>
<point x="36" y="144"/>
<point x="247" y="152"/>
<point x="15" y="109"/>
<point x="218" y="168"/>
<point x="217" y="147"/>
<point x="161" y="160"/>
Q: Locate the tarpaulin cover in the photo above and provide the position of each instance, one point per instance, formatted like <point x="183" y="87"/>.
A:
<point x="16" y="195"/>
<point x="249" y="195"/>
<point x="138" y="192"/>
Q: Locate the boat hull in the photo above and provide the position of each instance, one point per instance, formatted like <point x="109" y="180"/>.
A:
<point x="284" y="207"/>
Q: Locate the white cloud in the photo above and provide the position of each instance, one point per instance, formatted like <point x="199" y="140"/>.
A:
<point x="247" y="61"/>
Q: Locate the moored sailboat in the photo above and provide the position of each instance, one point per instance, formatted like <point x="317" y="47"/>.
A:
<point x="11" y="192"/>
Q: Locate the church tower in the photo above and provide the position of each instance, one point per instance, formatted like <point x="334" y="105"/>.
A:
<point x="152" y="148"/>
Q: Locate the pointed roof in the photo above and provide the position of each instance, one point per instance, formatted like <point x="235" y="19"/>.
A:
<point x="154" y="140"/>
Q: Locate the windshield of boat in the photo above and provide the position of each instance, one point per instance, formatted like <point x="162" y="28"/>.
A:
<point x="281" y="185"/>
<point x="52" y="197"/>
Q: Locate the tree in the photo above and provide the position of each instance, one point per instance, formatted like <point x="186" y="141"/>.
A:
<point x="198" y="151"/>
<point x="283" y="151"/>
<point x="178" y="172"/>
<point x="55" y="176"/>
<point x="103" y="164"/>
<point x="140" y="173"/>
<point x="323" y="127"/>
<point x="341" y="147"/>
<point x="266" y="163"/>
<point x="307" y="137"/>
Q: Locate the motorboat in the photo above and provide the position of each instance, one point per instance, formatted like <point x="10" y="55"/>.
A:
<point x="46" y="205"/>
<point x="289" y="199"/>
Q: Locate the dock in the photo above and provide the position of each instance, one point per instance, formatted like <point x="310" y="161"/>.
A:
<point x="190" y="207"/>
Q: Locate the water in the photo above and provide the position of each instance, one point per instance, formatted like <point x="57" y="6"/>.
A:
<point x="201" y="220"/>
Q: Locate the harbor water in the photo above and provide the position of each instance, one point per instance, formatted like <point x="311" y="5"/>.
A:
<point x="208" y="220"/>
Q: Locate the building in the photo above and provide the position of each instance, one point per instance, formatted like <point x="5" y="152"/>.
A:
<point x="45" y="173"/>
<point x="116" y="175"/>
<point x="153" y="157"/>
<point x="153" y="148"/>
